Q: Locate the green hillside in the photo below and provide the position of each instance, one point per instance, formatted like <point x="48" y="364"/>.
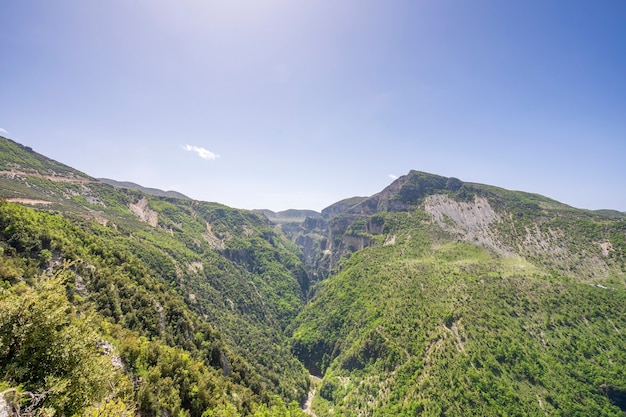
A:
<point x="434" y="297"/>
<point x="470" y="300"/>
<point x="192" y="296"/>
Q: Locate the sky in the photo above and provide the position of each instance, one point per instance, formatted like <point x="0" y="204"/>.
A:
<point x="298" y="104"/>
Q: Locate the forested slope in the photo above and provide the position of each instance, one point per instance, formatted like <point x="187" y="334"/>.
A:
<point x="433" y="297"/>
<point x="468" y="300"/>
<point x="192" y="296"/>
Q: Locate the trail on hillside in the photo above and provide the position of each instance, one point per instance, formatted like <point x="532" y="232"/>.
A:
<point x="55" y="178"/>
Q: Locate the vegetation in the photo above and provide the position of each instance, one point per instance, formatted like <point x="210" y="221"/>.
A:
<point x="428" y="323"/>
<point x="126" y="290"/>
<point x="24" y="159"/>
<point x="433" y="297"/>
<point x="51" y="352"/>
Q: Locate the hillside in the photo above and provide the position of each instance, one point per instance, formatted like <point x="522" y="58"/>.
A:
<point x="176" y="286"/>
<point x="432" y="297"/>
<point x="451" y="298"/>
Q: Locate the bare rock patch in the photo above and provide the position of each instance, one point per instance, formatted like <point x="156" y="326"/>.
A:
<point x="142" y="210"/>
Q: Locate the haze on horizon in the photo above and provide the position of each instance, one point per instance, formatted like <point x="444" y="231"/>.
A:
<point x="277" y="104"/>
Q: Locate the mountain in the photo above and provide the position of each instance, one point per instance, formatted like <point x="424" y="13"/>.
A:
<point x="18" y="160"/>
<point x="453" y="298"/>
<point x="288" y="216"/>
<point x="432" y="297"/>
<point x="146" y="190"/>
<point x="189" y="299"/>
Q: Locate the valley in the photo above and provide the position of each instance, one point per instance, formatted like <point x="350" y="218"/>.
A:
<point x="432" y="297"/>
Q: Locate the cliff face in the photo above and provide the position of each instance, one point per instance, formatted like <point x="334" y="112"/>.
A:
<point x="351" y="224"/>
<point x="444" y="295"/>
<point x="142" y="210"/>
<point x="311" y="236"/>
<point x="343" y="206"/>
<point x="509" y="223"/>
<point x="471" y="221"/>
<point x="401" y="195"/>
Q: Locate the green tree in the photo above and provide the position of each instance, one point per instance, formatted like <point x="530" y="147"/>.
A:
<point x="50" y="350"/>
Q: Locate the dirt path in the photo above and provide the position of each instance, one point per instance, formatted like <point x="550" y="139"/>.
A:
<point x="315" y="381"/>
<point x="56" y="178"/>
<point x="28" y="201"/>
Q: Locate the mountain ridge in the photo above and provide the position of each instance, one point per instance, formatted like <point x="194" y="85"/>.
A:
<point x="289" y="215"/>
<point x="432" y="297"/>
<point x="46" y="166"/>
<point x="167" y="280"/>
<point x="425" y="281"/>
<point x="148" y="190"/>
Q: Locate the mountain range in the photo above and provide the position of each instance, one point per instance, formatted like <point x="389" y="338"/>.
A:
<point x="433" y="297"/>
<point x="145" y="190"/>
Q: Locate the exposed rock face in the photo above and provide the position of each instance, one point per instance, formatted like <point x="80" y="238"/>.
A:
<point x="557" y="247"/>
<point x="476" y="222"/>
<point x="142" y="210"/>
<point x="342" y="206"/>
<point x="401" y="195"/>
<point x="309" y="247"/>
<point x="606" y="248"/>
<point x="353" y="243"/>
<point x="108" y="349"/>
<point x="470" y="220"/>
<point x="213" y="240"/>
<point x="70" y="177"/>
<point x="5" y="410"/>
<point x="312" y="237"/>
<point x="470" y="216"/>
<point x="540" y="242"/>
<point x="28" y="201"/>
<point x="313" y="223"/>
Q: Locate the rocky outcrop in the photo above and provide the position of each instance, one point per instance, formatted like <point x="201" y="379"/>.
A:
<point x="53" y="176"/>
<point x="142" y="210"/>
<point x="343" y="206"/>
<point x="13" y="403"/>
<point x="212" y="240"/>
<point x="354" y="243"/>
<point x="470" y="220"/>
<point x="5" y="410"/>
<point x="403" y="194"/>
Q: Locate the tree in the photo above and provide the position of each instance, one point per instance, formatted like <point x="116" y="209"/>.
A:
<point x="51" y="350"/>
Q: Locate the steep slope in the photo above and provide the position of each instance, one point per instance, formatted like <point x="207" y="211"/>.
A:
<point x="451" y="298"/>
<point x="19" y="159"/>
<point x="197" y="280"/>
<point x="433" y="297"/>
<point x="543" y="231"/>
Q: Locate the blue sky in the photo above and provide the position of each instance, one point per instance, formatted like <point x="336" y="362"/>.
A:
<point x="297" y="104"/>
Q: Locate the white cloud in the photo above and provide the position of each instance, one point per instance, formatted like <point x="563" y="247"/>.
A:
<point x="393" y="177"/>
<point x="3" y="131"/>
<point x="202" y="153"/>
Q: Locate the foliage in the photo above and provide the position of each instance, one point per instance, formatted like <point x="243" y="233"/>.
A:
<point x="135" y="285"/>
<point x="432" y="326"/>
<point x="17" y="156"/>
<point x="114" y="302"/>
<point x="47" y="348"/>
